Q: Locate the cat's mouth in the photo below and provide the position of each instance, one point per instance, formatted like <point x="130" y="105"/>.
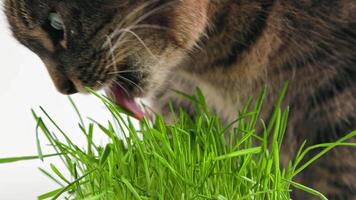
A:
<point x="125" y="100"/>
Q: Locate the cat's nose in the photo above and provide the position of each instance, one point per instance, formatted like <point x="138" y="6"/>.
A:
<point x="67" y="88"/>
<point x="62" y="82"/>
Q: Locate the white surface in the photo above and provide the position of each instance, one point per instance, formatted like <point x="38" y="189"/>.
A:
<point x="25" y="84"/>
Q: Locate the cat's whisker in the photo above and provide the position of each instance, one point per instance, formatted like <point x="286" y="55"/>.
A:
<point x="142" y="42"/>
<point x="120" y="46"/>
<point x="144" y="16"/>
<point x="127" y="71"/>
<point x="122" y="32"/>
<point x="116" y="60"/>
<point x="130" y="17"/>
<point x="100" y="83"/>
<point x="131" y="82"/>
<point x="135" y="12"/>
<point x="119" y="43"/>
<point x="119" y="56"/>
<point x="137" y="21"/>
<point x="139" y="26"/>
<point x="149" y="26"/>
<point x="121" y="77"/>
<point x="112" y="55"/>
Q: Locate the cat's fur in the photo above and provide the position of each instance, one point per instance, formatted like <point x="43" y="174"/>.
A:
<point x="231" y="49"/>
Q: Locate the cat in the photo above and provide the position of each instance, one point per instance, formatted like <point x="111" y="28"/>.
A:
<point x="230" y="49"/>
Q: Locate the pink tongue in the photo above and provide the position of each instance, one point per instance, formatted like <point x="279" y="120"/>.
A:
<point x="127" y="102"/>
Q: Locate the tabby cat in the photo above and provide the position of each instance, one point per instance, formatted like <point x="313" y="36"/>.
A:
<point x="231" y="49"/>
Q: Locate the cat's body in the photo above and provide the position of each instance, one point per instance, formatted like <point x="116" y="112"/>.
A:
<point x="231" y="49"/>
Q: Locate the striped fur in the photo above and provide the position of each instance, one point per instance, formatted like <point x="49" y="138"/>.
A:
<point x="231" y="49"/>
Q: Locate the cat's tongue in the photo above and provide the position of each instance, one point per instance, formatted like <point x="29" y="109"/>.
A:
<point x="126" y="101"/>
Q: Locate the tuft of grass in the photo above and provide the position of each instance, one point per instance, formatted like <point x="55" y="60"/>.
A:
<point x="193" y="158"/>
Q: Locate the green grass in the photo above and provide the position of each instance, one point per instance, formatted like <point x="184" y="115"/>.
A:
<point x="191" y="159"/>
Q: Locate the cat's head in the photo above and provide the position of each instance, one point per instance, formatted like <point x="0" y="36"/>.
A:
<point x="130" y="44"/>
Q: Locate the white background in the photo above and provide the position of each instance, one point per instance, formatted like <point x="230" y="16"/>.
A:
<point x="25" y="84"/>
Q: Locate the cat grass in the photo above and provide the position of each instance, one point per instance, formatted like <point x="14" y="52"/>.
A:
<point x="196" y="158"/>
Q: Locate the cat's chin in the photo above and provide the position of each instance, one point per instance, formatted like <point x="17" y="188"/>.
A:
<point x="126" y="101"/>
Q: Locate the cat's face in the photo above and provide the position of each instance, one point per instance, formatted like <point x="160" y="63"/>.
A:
<point x="100" y="43"/>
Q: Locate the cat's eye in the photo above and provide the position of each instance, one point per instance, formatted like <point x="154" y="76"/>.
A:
<point x="56" y="29"/>
<point x="56" y="21"/>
